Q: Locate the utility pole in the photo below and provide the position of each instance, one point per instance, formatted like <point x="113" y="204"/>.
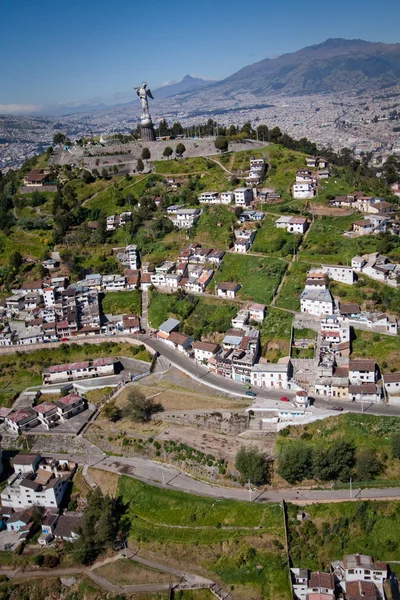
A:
<point x="249" y="491"/>
<point x="351" y="488"/>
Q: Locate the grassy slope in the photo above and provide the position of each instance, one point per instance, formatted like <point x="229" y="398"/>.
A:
<point x="257" y="276"/>
<point x="384" y="349"/>
<point x="366" y="528"/>
<point x="275" y="334"/>
<point x="201" y="315"/>
<point x="214" y="227"/>
<point x="169" y="524"/>
<point x="326" y="243"/>
<point x="289" y="295"/>
<point x="119" y="303"/>
<point x="273" y="241"/>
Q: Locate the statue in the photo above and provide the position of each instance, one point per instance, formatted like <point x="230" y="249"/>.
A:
<point x="146" y="122"/>
<point x="143" y="94"/>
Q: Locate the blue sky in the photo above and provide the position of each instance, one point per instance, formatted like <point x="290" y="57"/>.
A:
<point x="53" y="52"/>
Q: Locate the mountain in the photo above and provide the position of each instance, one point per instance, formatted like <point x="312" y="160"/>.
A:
<point x="336" y="65"/>
<point x="186" y="85"/>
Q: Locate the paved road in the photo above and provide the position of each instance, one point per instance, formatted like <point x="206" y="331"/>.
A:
<point x="231" y="387"/>
<point x="171" y="478"/>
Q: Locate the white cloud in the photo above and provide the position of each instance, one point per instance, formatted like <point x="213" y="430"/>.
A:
<point x="19" y="109"/>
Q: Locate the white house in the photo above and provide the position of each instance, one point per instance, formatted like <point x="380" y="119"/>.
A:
<point x="241" y="319"/>
<point x="228" y="289"/>
<point x="203" y="351"/>
<point x="391" y="382"/>
<point x="362" y="371"/>
<point x="49" y="297"/>
<point x="292" y="224"/>
<point x="257" y="312"/>
<point x="208" y="198"/>
<point x="357" y="263"/>
<point x="179" y="342"/>
<point x="241" y="245"/>
<point x="339" y="273"/>
<point x="365" y="392"/>
<point x="316" y="302"/>
<point x="113" y="283"/>
<point x="99" y="367"/>
<point x="226" y="197"/>
<point x="303" y="190"/>
<point x="185" y="218"/>
<point x="45" y="486"/>
<point x="361" y="567"/>
<point x="270" y="375"/>
<point x="243" y="196"/>
<point x="303" y="175"/>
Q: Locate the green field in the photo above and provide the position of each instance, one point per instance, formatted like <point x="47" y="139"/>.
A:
<point x="198" y="315"/>
<point x="119" y="303"/>
<point x="259" y="277"/>
<point x="273" y="241"/>
<point x="326" y="243"/>
<point x="370" y="294"/>
<point x="384" y="349"/>
<point x="106" y="200"/>
<point x="212" y="176"/>
<point x="344" y="528"/>
<point x="31" y="244"/>
<point x="214" y="227"/>
<point x="293" y="285"/>
<point x="275" y="334"/>
<point x="195" y="530"/>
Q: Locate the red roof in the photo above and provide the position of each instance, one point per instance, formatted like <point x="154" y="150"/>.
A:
<point x="69" y="399"/>
<point x="102" y="362"/>
<point x="69" y="367"/>
<point x="44" y="408"/>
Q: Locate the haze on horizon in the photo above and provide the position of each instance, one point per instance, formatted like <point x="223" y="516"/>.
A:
<point x="96" y="52"/>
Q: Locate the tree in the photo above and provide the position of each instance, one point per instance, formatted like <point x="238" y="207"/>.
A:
<point x="333" y="462"/>
<point x="139" y="408"/>
<point x="112" y="412"/>
<point x="367" y="464"/>
<point x="146" y="153"/>
<point x="59" y="138"/>
<point x="15" y="260"/>
<point x="115" y="170"/>
<point x="180" y="150"/>
<point x="396" y="445"/>
<point x="221" y="143"/>
<point x="295" y="462"/>
<point x="139" y="165"/>
<point x="104" y="173"/>
<point x="96" y="173"/>
<point x="252" y="465"/>
<point x="168" y="152"/>
<point x="87" y="177"/>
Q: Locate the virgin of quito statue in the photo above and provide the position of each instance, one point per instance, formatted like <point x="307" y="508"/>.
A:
<point x="146" y="124"/>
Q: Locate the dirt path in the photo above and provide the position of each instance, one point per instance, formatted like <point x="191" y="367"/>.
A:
<point x="292" y="260"/>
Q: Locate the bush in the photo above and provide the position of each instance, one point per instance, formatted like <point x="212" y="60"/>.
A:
<point x="396" y="445"/>
<point x="38" y="560"/>
<point x="51" y="561"/>
<point x="252" y="465"/>
<point x="295" y="462"/>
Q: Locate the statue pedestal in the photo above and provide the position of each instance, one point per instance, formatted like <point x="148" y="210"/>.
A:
<point x="147" y="132"/>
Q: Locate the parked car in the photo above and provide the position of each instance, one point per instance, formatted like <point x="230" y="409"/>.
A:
<point x="284" y="399"/>
<point x="246" y="386"/>
<point x="339" y="408"/>
<point x="252" y="394"/>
